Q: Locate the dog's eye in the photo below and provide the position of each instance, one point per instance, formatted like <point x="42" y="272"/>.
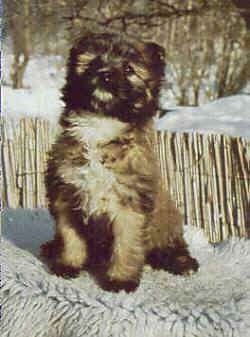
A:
<point x="128" y="70"/>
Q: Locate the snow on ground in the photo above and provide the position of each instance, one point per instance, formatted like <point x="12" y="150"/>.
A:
<point x="44" y="78"/>
<point x="229" y="115"/>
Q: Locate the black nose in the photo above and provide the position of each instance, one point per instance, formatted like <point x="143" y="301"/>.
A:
<point x="106" y="77"/>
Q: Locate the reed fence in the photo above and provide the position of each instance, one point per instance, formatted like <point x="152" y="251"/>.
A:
<point x="207" y="175"/>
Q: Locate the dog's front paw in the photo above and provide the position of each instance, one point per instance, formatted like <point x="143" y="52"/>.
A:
<point x="116" y="286"/>
<point x="64" y="271"/>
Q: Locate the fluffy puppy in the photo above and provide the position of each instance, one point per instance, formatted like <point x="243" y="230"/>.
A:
<point x="103" y="180"/>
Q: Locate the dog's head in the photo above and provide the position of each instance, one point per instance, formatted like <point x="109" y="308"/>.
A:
<point x="113" y="77"/>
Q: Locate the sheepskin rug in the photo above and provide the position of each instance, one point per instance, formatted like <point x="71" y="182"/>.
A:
<point x="214" y="302"/>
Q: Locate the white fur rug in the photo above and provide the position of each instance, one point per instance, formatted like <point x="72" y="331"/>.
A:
<point x="215" y="302"/>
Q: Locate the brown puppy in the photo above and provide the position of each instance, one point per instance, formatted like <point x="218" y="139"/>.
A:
<point x="103" y="180"/>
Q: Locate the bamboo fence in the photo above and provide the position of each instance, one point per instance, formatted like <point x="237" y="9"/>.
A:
<point x="207" y="175"/>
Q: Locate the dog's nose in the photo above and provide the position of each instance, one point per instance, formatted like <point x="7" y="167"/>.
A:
<point x="105" y="76"/>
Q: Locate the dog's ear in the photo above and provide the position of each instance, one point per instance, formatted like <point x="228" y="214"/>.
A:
<point x="82" y="61"/>
<point x="81" y="55"/>
<point x="153" y="54"/>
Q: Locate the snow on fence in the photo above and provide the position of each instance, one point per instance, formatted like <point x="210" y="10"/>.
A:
<point x="207" y="175"/>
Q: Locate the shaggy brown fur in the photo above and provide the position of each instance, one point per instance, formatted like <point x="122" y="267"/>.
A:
<point x="103" y="181"/>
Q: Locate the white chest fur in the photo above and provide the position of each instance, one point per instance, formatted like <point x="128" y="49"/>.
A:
<point x="92" y="129"/>
<point x="93" y="180"/>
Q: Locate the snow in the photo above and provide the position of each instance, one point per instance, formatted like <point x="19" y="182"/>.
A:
<point x="40" y="97"/>
<point x="229" y="115"/>
<point x="44" y="77"/>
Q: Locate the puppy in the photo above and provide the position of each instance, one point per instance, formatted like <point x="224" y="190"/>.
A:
<point x="103" y="180"/>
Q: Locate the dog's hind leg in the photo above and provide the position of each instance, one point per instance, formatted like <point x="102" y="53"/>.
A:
<point x="67" y="253"/>
<point x="166" y="247"/>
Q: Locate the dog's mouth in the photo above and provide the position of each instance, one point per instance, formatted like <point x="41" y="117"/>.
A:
<point x="102" y="100"/>
<point x="103" y="96"/>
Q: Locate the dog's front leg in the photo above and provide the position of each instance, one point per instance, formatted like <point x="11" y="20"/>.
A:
<point x="67" y="253"/>
<point x="128" y="252"/>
